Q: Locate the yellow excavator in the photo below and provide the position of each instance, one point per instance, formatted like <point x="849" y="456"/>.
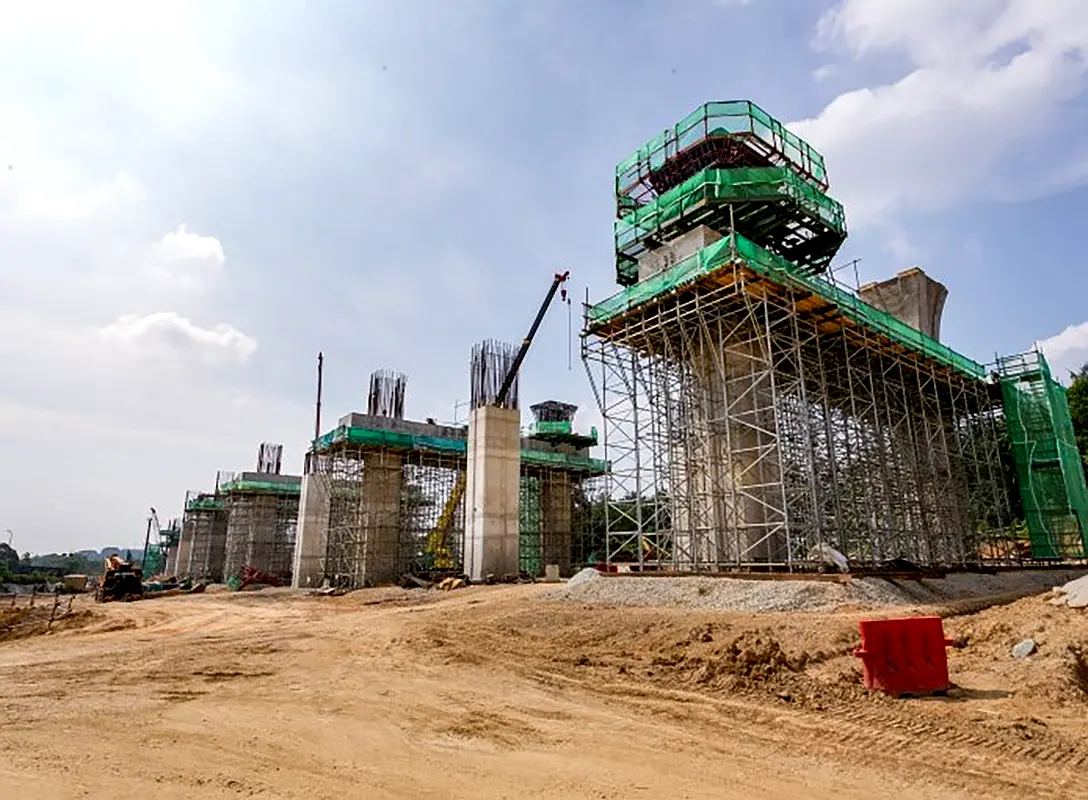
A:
<point x="438" y="547"/>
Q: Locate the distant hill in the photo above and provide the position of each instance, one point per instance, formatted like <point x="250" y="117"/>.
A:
<point x="79" y="561"/>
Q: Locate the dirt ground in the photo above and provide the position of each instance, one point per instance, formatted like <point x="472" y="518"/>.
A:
<point x="496" y="692"/>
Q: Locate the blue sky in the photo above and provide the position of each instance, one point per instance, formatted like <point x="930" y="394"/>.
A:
<point x="203" y="195"/>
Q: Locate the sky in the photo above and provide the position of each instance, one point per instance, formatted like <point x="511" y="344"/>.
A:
<point x="197" y="197"/>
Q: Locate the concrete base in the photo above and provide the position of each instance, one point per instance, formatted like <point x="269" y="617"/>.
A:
<point x="311" y="546"/>
<point x="492" y="492"/>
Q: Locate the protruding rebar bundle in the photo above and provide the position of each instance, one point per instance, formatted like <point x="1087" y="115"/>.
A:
<point x="386" y="398"/>
<point x="269" y="458"/>
<point x="491" y="361"/>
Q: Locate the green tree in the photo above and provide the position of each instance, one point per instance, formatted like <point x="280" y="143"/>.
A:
<point x="1077" y="394"/>
<point x="9" y="559"/>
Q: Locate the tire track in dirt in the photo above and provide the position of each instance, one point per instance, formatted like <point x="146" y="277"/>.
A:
<point x="983" y="761"/>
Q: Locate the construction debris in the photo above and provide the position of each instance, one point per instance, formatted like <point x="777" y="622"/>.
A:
<point x="1073" y="594"/>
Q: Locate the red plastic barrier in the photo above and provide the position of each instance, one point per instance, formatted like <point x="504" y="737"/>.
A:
<point x="904" y="656"/>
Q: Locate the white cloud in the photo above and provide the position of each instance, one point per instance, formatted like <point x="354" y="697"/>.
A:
<point x="183" y="258"/>
<point x="1066" y="351"/>
<point x="168" y="333"/>
<point x="117" y="121"/>
<point x="184" y="245"/>
<point x="985" y="77"/>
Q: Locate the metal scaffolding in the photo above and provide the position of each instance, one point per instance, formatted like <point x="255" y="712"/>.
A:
<point x="204" y="526"/>
<point x="555" y="525"/>
<point x="396" y="499"/>
<point x="390" y="512"/>
<point x="748" y="422"/>
<point x="756" y="413"/>
<point x="262" y="522"/>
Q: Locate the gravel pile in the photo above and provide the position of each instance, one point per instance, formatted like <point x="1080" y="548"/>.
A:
<point x="729" y="594"/>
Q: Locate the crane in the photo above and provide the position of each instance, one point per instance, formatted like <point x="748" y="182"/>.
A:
<point x="559" y="279"/>
<point x="437" y="547"/>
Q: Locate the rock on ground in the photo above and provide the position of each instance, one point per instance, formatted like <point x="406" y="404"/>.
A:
<point x="584" y="576"/>
<point x="1024" y="649"/>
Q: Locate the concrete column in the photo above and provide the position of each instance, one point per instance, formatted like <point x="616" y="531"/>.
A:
<point x="698" y="472"/>
<point x="185" y="546"/>
<point x="491" y="492"/>
<point x="217" y="547"/>
<point x="311" y="545"/>
<point x="754" y="474"/>
<point x="730" y="483"/>
<point x="172" y="561"/>
<point x="556" y="518"/>
<point x="380" y="513"/>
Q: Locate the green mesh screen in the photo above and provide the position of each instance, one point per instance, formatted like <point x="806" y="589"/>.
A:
<point x="241" y="485"/>
<point x="1048" y="464"/>
<point x="372" y="437"/>
<point x="729" y="185"/>
<point x="204" y="504"/>
<point x="530" y="526"/>
<point x="767" y="264"/>
<point x="735" y="117"/>
<point x="155" y="562"/>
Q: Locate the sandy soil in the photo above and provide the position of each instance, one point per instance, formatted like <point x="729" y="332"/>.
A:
<point x="497" y="692"/>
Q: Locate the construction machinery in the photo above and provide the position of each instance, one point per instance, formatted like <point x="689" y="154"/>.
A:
<point x="440" y="556"/>
<point x="438" y="542"/>
<point x="558" y="280"/>
<point x="121" y="581"/>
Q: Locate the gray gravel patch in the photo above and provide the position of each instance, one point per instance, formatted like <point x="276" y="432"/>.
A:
<point x="732" y="594"/>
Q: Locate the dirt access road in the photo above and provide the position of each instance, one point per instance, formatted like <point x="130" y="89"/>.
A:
<point x="497" y="692"/>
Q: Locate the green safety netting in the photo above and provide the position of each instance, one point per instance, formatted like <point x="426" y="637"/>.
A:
<point x="720" y="254"/>
<point x="372" y="437"/>
<point x="738" y="185"/>
<point x="564" y="461"/>
<point x="375" y="437"/>
<point x="245" y="485"/>
<point x="155" y="562"/>
<point x="552" y="427"/>
<point x="1048" y="464"/>
<point x="204" y="504"/>
<point x="733" y="117"/>
<point x="530" y="526"/>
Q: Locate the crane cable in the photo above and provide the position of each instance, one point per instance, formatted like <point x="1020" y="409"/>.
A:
<point x="570" y="332"/>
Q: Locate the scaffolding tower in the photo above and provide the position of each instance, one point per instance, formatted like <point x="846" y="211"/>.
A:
<point x="262" y="522"/>
<point x="396" y="494"/>
<point x="391" y="510"/>
<point x="756" y="413"/>
<point x="1048" y="463"/>
<point x="204" y="527"/>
